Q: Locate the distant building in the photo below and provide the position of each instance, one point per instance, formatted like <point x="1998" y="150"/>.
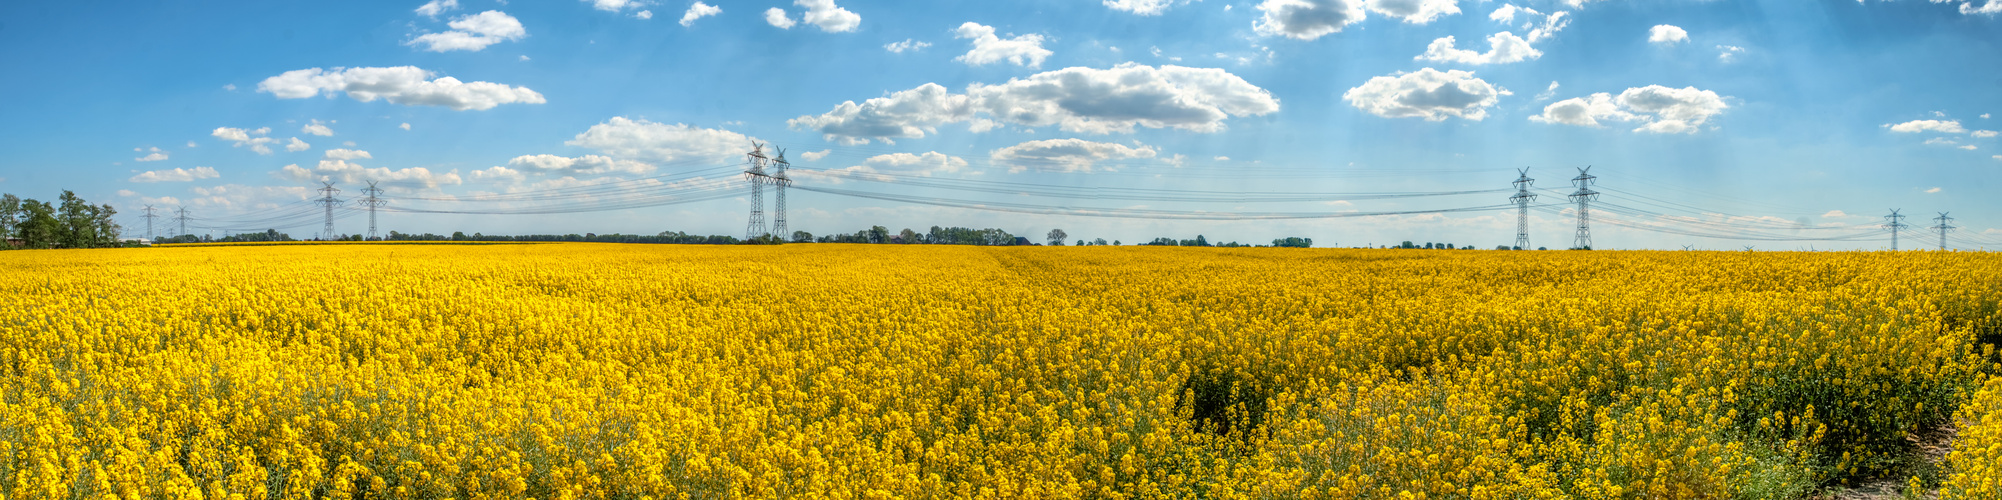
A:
<point x="141" y="241"/>
<point x="16" y="242"/>
<point x="1022" y="241"/>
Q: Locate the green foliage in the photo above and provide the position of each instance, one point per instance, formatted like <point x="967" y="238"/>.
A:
<point x="72" y="223"/>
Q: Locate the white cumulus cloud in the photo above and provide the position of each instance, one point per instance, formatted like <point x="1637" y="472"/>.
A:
<point x="1983" y="134"/>
<point x="697" y="11"/>
<point x="1066" y="155"/>
<point x="1539" y="25"/>
<point x="1414" y="11"/>
<point x="1307" y="19"/>
<point x="614" y="5"/>
<point x="1076" y="99"/>
<point x="346" y="154"/>
<point x="1549" y="92"/>
<point x="1144" y="7"/>
<point x="1024" y="50"/>
<point x="473" y="33"/>
<point x="1915" y="126"/>
<point x="341" y="171"/>
<point x="296" y="145"/>
<point x="829" y="17"/>
<point x="497" y="174"/>
<point x="1427" y="93"/>
<point x="642" y="140"/>
<point x="1666" y="35"/>
<point x="777" y="17"/>
<point x="241" y="137"/>
<point x="176" y="175"/>
<point x="406" y="85"/>
<point x="316" y="128"/>
<point x="582" y="165"/>
<point x="644" y="14"/>
<point x="435" y="7"/>
<point x="1503" y="47"/>
<point x="907" y="45"/>
<point x="1658" y="109"/>
<point x="1728" y="53"/>
<point x="156" y="155"/>
<point x="925" y="164"/>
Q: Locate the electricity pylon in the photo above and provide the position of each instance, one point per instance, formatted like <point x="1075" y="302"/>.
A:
<point x="327" y="199"/>
<point x="149" y="222"/>
<point x="756" y="173"/>
<point x="1895" y="224"/>
<point x="373" y="200"/>
<point x="1521" y="200"/>
<point x="1584" y="196"/>
<point x="1944" y="224"/>
<point x="779" y="182"/>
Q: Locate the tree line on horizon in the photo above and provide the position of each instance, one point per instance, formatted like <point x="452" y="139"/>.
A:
<point x="75" y="223"/>
<point x="71" y="222"/>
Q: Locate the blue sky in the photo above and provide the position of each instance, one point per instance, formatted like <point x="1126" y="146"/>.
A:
<point x="1781" y="124"/>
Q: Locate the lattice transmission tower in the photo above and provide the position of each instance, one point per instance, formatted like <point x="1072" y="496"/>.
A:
<point x="149" y="222"/>
<point x="181" y="216"/>
<point x="1521" y="200"/>
<point x="373" y="200"/>
<point x="779" y="182"/>
<point x="1895" y="222"/>
<point x="1943" y="224"/>
<point x="1584" y="196"/>
<point x="327" y="198"/>
<point x="756" y="173"/>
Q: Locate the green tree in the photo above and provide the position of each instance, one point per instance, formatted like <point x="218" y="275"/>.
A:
<point x="10" y="216"/>
<point x="78" y="222"/>
<point x="39" y="227"/>
<point x="1057" y="236"/>
<point x="1293" y="242"/>
<point x="107" y="228"/>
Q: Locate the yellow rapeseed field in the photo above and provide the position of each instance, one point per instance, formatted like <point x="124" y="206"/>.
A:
<point x="881" y="371"/>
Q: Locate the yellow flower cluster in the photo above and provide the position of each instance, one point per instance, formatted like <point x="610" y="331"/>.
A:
<point x="1975" y="464"/>
<point x="630" y="371"/>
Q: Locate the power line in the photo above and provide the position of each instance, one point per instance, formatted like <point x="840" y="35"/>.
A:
<point x="1121" y="193"/>
<point x="1029" y="208"/>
